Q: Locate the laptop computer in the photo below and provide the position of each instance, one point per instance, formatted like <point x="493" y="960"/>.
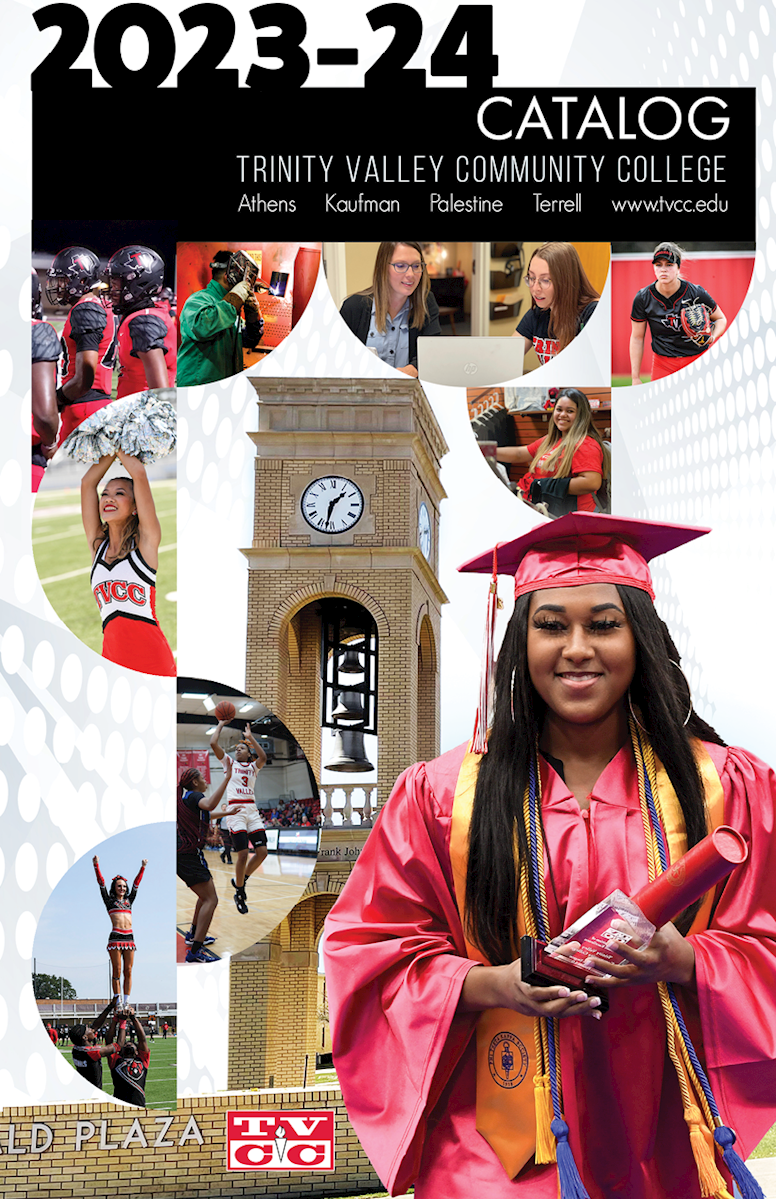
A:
<point x="470" y="361"/>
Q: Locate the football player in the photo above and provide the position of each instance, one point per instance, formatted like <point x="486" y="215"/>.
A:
<point x="88" y="337"/>
<point x="146" y="337"/>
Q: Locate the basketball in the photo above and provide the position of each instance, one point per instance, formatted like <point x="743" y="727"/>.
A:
<point x="224" y="710"/>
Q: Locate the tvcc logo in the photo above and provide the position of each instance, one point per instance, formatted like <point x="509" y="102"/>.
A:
<point x="302" y="1140"/>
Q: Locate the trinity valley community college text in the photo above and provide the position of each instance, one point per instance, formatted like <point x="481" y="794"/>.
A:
<point x="479" y="168"/>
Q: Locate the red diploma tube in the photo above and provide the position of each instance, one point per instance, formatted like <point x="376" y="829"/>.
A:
<point x="693" y="875"/>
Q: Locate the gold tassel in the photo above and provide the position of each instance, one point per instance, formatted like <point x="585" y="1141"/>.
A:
<point x="702" y="1144"/>
<point x="545" y="1141"/>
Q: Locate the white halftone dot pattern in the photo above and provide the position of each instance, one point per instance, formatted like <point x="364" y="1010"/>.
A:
<point x="29" y="797"/>
<point x="63" y="743"/>
<point x="6" y="371"/>
<point x="25" y="579"/>
<point x="6" y="720"/>
<point x="11" y="483"/>
<point x="71" y="678"/>
<point x="97" y="689"/>
<point x="56" y="864"/>
<point x="141" y="709"/>
<point x="34" y="731"/>
<point x="12" y="649"/>
<point x="43" y="664"/>
<point x="24" y="933"/>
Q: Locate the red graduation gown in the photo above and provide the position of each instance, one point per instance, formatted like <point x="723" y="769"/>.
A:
<point x="396" y="961"/>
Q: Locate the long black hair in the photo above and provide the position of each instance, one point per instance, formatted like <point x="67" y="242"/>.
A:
<point x="660" y="695"/>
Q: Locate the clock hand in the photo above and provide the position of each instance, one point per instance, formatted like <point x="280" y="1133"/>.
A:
<point x="332" y="503"/>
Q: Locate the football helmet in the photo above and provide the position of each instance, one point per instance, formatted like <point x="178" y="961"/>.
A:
<point x="135" y="275"/>
<point x="73" y="272"/>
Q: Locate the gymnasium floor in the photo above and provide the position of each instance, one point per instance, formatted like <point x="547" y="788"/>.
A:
<point x="271" y="892"/>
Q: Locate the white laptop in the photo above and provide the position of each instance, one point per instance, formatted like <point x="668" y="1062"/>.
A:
<point x="470" y="361"/>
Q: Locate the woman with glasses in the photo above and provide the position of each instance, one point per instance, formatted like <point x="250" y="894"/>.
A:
<point x="398" y="307"/>
<point x="562" y="300"/>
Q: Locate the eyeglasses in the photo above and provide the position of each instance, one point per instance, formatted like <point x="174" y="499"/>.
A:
<point x="403" y="267"/>
<point x="532" y="281"/>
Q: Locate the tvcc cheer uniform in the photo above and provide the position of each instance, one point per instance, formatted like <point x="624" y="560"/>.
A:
<point x="46" y="347"/>
<point x="120" y="938"/>
<point x="125" y="592"/>
<point x="89" y="326"/>
<point x="535" y="326"/>
<point x="147" y="329"/>
<point x="671" y="347"/>
<point x="242" y="815"/>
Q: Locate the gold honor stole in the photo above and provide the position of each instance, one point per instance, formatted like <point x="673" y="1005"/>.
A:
<point x="507" y="1073"/>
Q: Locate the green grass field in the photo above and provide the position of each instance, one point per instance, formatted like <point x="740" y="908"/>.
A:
<point x="161" y="1091"/>
<point x="63" y="561"/>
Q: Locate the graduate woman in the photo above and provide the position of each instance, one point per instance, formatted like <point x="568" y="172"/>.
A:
<point x="124" y="533"/>
<point x="398" y="307"/>
<point x="457" y="1075"/>
<point x="562" y="300"/>
<point x="662" y="306"/>
<point x="569" y="465"/>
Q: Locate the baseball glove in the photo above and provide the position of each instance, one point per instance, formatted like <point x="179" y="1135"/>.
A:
<point x="696" y="323"/>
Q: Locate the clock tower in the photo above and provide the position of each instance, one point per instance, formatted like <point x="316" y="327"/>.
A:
<point x="347" y="508"/>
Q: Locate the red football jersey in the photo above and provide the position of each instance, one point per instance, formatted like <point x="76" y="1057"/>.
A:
<point x="147" y="329"/>
<point x="90" y="326"/>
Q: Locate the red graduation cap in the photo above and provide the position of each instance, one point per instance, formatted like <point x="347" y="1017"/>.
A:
<point x="580" y="548"/>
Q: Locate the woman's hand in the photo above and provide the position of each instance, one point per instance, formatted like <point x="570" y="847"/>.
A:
<point x="145" y="862"/>
<point x="95" y="860"/>
<point x="129" y="463"/>
<point x="502" y="986"/>
<point x="669" y="957"/>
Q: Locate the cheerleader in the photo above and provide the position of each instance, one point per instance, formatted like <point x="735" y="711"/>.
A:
<point x="124" y="533"/>
<point x="121" y="944"/>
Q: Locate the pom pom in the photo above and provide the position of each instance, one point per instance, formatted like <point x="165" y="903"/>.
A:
<point x="571" y="1185"/>
<point x="744" y="1180"/>
<point x="143" y="426"/>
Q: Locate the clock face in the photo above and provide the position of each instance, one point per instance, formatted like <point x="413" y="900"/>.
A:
<point x="424" y="532"/>
<point x="332" y="504"/>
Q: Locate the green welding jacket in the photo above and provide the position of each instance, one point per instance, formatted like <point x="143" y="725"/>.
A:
<point x="211" y="339"/>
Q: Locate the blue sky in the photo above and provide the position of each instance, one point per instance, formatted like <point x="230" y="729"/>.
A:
<point x="73" y="930"/>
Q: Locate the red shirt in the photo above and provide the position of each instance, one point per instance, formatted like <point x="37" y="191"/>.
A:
<point x="90" y="326"/>
<point x="587" y="456"/>
<point x="147" y="329"/>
